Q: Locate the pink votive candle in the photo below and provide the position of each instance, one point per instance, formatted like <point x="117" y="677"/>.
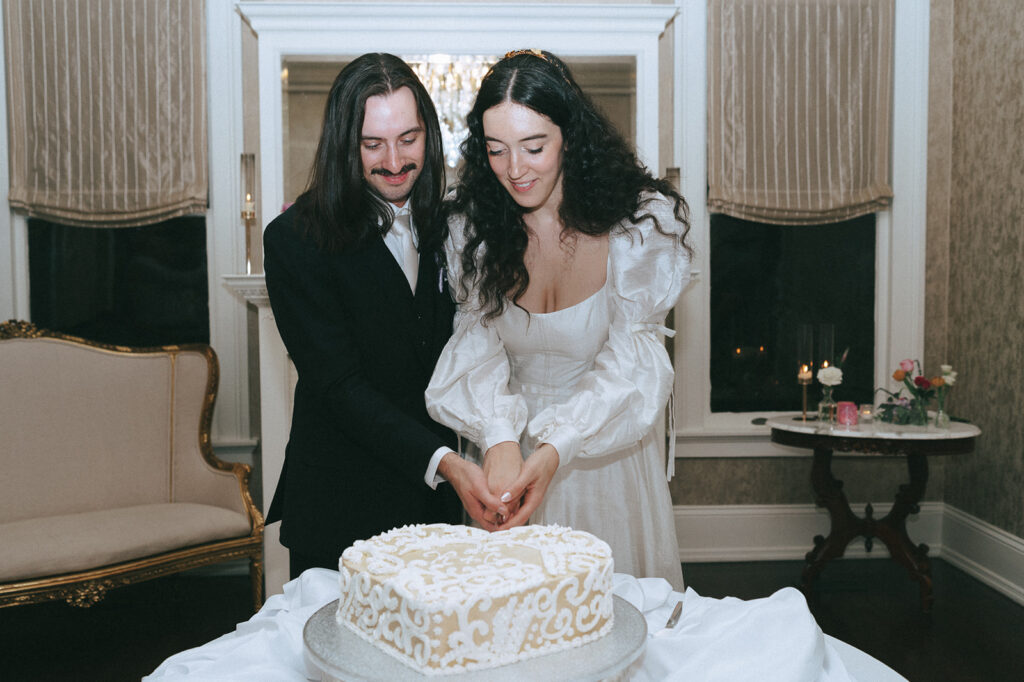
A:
<point x="846" y="413"/>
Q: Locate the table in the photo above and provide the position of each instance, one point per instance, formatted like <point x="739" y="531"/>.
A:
<point x="875" y="438"/>
<point x="774" y="639"/>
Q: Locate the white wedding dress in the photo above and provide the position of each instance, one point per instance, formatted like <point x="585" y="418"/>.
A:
<point x="593" y="381"/>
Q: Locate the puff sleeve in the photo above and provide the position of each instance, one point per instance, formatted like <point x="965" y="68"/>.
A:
<point x="468" y="391"/>
<point x="618" y="401"/>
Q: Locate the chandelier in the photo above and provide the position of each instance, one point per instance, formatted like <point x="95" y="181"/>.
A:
<point x="452" y="81"/>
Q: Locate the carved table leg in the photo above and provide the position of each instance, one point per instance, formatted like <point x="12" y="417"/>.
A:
<point x="845" y="526"/>
<point x="892" y="529"/>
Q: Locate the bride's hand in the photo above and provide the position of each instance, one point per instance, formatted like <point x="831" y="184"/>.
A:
<point x="532" y="484"/>
<point x="502" y="464"/>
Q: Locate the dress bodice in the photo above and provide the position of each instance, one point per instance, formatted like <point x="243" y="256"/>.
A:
<point x="550" y="352"/>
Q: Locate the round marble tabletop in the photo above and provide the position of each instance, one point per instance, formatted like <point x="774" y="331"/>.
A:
<point x="874" y="429"/>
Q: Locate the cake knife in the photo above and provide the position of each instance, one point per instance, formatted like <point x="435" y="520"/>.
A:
<point x="674" y="618"/>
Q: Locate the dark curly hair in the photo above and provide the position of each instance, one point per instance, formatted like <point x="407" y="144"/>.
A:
<point x="602" y="179"/>
<point x="338" y="207"/>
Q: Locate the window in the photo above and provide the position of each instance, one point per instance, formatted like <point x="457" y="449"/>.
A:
<point x="134" y="286"/>
<point x="897" y="312"/>
<point x="766" y="281"/>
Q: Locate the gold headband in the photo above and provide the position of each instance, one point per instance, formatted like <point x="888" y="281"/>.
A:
<point x="532" y="51"/>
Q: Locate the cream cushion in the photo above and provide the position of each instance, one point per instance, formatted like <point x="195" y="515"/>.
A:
<point x="54" y="545"/>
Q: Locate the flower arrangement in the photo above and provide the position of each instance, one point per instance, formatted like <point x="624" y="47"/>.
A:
<point x="829" y="377"/>
<point x="913" y="407"/>
<point x="942" y="385"/>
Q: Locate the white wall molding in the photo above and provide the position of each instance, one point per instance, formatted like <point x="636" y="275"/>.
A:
<point x="225" y="232"/>
<point x="783" y="531"/>
<point x="277" y="385"/>
<point x="786" y="532"/>
<point x="990" y="554"/>
<point x="14" y="297"/>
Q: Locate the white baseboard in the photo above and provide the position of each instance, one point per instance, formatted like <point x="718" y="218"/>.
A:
<point x="984" y="551"/>
<point x="784" y="532"/>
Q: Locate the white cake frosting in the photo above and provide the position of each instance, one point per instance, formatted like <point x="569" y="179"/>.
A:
<point x="446" y="599"/>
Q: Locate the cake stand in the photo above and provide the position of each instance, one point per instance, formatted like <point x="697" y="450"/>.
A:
<point x="340" y="654"/>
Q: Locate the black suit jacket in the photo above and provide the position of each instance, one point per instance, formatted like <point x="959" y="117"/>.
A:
<point x="364" y="347"/>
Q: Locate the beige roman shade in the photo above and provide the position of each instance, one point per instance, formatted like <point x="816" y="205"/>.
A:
<point x="799" y="109"/>
<point x="107" y="109"/>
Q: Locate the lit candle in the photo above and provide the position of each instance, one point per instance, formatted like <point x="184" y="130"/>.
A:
<point x="804" y="374"/>
<point x="248" y="206"/>
<point x="804" y="352"/>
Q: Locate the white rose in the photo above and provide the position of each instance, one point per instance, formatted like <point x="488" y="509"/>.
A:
<point x="830" y="376"/>
<point x="946" y="369"/>
<point x="950" y="378"/>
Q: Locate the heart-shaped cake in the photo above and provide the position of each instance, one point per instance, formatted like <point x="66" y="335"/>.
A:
<point x="446" y="599"/>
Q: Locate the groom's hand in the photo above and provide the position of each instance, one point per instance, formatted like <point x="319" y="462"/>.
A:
<point x="471" y="486"/>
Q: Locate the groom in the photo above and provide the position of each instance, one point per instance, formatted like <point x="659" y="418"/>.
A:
<point x="352" y="270"/>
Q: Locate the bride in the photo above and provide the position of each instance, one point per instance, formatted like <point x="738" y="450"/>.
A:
<point x="565" y="254"/>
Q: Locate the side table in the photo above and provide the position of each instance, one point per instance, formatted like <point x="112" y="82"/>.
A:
<point x="916" y="443"/>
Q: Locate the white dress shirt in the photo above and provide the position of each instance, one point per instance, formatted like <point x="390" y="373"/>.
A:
<point x="403" y="244"/>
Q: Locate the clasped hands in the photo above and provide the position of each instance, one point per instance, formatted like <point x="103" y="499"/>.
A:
<point x="507" y="490"/>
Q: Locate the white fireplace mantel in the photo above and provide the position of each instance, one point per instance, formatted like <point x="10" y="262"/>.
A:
<point x="277" y="382"/>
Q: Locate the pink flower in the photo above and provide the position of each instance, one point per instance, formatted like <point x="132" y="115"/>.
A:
<point x="907" y="365"/>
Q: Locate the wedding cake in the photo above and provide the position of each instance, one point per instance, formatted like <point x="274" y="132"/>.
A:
<point x="447" y="599"/>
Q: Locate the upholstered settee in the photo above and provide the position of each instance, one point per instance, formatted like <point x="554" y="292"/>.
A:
<point x="107" y="474"/>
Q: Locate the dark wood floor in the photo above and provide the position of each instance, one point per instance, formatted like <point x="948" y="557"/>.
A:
<point x="125" y="636"/>
<point x="973" y="634"/>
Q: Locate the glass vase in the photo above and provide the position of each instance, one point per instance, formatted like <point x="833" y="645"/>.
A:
<point x="941" y="419"/>
<point x="919" y="412"/>
<point x="827" y="406"/>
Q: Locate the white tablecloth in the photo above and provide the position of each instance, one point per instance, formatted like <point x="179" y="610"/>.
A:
<point x="770" y="639"/>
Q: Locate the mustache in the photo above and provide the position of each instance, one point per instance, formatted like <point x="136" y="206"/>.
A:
<point x="384" y="171"/>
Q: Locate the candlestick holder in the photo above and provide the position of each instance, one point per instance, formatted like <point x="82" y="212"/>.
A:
<point x="803" y="377"/>
<point x="804" y="360"/>
<point x="803" y="387"/>
<point x="248" y="176"/>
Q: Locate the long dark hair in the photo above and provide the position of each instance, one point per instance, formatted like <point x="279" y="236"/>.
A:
<point x="602" y="179"/>
<point x="337" y="207"/>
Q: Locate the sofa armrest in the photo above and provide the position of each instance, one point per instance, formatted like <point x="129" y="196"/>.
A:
<point x="197" y="474"/>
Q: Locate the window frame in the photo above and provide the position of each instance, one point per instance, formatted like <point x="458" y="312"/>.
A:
<point x="899" y="253"/>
